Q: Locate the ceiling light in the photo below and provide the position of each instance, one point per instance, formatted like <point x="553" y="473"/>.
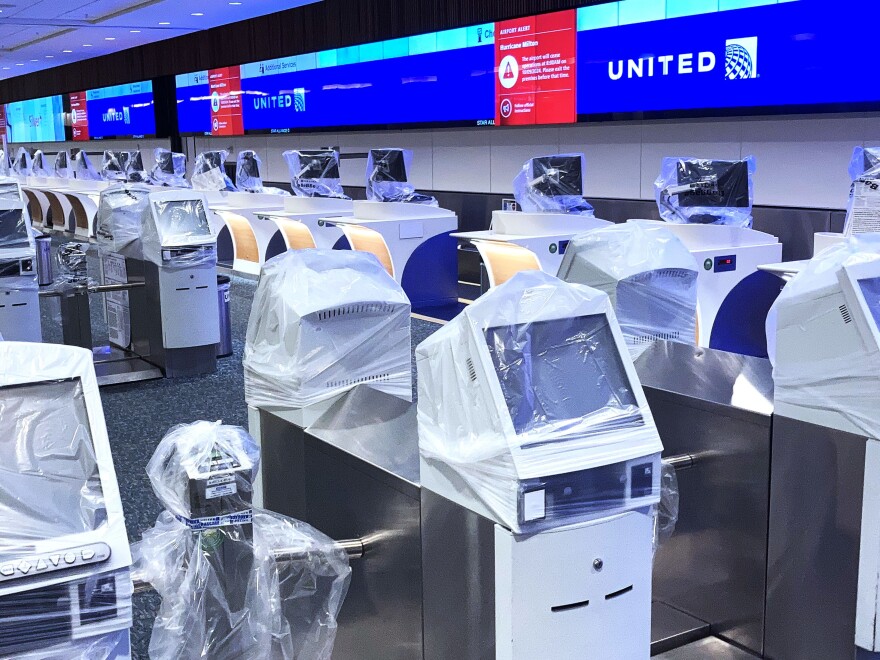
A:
<point x="66" y="51"/>
<point x="87" y="45"/>
<point x="235" y="4"/>
<point x="109" y="38"/>
<point x="35" y="60"/>
<point x="6" y="68"/>
<point x="19" y="64"/>
<point x="164" y="23"/>
<point x="135" y="31"/>
<point x="49" y="57"/>
<point x="197" y="13"/>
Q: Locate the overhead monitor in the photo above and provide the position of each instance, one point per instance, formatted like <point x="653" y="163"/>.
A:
<point x="120" y="111"/>
<point x="36" y="120"/>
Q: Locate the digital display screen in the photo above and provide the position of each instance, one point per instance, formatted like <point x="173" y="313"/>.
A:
<point x="612" y="60"/>
<point x="871" y="290"/>
<point x="181" y="221"/>
<point x="46" y="451"/>
<point x="13" y="231"/>
<point x="121" y="111"/>
<point x="555" y="373"/>
<point x="36" y="120"/>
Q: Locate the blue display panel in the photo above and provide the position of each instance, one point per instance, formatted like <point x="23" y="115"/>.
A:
<point x="36" y="120"/>
<point x="121" y="111"/>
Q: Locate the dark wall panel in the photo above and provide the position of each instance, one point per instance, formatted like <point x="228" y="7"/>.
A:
<point x="326" y="24"/>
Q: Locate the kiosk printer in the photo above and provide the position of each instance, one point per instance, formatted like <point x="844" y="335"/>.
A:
<point x="407" y="231"/>
<point x="648" y="274"/>
<point x="162" y="237"/>
<point x="322" y="322"/>
<point x="549" y="190"/>
<point x="707" y="204"/>
<point x="65" y="587"/>
<point x="825" y="479"/>
<point x="19" y="289"/>
<point x="531" y="416"/>
<point x="317" y="196"/>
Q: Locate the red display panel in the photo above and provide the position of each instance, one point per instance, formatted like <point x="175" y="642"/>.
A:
<point x="226" y="112"/>
<point x="535" y="61"/>
<point x="79" y="119"/>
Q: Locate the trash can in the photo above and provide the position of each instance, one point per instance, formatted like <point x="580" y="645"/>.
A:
<point x="44" y="259"/>
<point x="224" y="348"/>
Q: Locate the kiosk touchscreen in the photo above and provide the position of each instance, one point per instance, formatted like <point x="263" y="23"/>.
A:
<point x="61" y="166"/>
<point x="64" y="554"/>
<point x="649" y="276"/>
<point x="19" y="289"/>
<point x="531" y="415"/>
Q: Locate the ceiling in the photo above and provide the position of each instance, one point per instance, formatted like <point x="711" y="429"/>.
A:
<point x="41" y="34"/>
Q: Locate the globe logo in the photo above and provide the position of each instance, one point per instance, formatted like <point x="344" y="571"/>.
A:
<point x="738" y="63"/>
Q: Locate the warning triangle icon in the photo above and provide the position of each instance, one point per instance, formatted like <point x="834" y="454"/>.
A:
<point x="508" y="72"/>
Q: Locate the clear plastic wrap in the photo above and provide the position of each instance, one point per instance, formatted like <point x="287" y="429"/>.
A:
<point x="22" y="165"/>
<point x="534" y="380"/>
<point x="118" y="223"/>
<point x="83" y="168"/>
<point x="823" y="372"/>
<point x="706" y="192"/>
<point x="322" y="322"/>
<point x="112" y="646"/>
<point x="123" y="166"/>
<point x="4" y="163"/>
<point x="667" y="509"/>
<point x="178" y="223"/>
<point x="72" y="261"/>
<point x="16" y="232"/>
<point x="865" y="160"/>
<point x="388" y="178"/>
<point x="553" y="184"/>
<point x="61" y="167"/>
<point x="38" y="165"/>
<point x="315" y="173"/>
<point x="248" y="172"/>
<point x="649" y="275"/>
<point x="169" y="170"/>
<point x="224" y="593"/>
<point x="209" y="172"/>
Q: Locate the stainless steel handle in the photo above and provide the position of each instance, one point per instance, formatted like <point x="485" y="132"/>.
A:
<point x="681" y="461"/>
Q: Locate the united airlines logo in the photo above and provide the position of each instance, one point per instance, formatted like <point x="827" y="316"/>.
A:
<point x="740" y="62"/>
<point x="295" y="101"/>
<point x="112" y="116"/>
<point x="741" y="58"/>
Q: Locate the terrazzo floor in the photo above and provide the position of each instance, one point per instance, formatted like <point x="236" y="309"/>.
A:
<point x="139" y="414"/>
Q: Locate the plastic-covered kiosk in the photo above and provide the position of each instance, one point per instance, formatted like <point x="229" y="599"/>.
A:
<point x="19" y="289"/>
<point x="323" y="322"/>
<point x="317" y="197"/>
<point x="242" y="237"/>
<point x="237" y="582"/>
<point x="161" y="238"/>
<point x="532" y="419"/>
<point x="65" y="585"/>
<point x="649" y="276"/>
<point x="169" y="170"/>
<point x="550" y="193"/>
<point x="707" y="204"/>
<point x="407" y="231"/>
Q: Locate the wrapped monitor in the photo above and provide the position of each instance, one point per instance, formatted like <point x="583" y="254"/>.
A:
<point x="649" y="275"/>
<point x="38" y="164"/>
<point x="61" y="166"/>
<point x="123" y="166"/>
<point x="4" y="163"/>
<point x="169" y="170"/>
<point x="122" y="210"/>
<point x="865" y="161"/>
<point x="553" y="184"/>
<point x="823" y="337"/>
<point x="16" y="233"/>
<point x="315" y="173"/>
<point x="863" y="209"/>
<point x="212" y="558"/>
<point x="248" y="172"/>
<point x="83" y="168"/>
<point x="530" y="410"/>
<point x="64" y="554"/>
<point x="209" y="172"/>
<point x="388" y="178"/>
<point x="178" y="221"/>
<point x="22" y="165"/>
<point x="322" y="322"/>
<point x="706" y="192"/>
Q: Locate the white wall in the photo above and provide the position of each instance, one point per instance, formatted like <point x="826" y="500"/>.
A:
<point x="802" y="161"/>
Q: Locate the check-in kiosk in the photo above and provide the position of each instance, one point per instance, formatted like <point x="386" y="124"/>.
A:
<point x="65" y="586"/>
<point x="38" y="165"/>
<point x="322" y="322"/>
<point x="123" y="166"/>
<point x="162" y="238"/>
<point x="407" y="231"/>
<point x="825" y="500"/>
<point x="61" y="166"/>
<point x="19" y="289"/>
<point x="862" y="215"/>
<point x="532" y="419"/>
<point x="22" y="164"/>
<point x="549" y="191"/>
<point x="169" y="170"/>
<point x="306" y="220"/>
<point x="649" y="276"/>
<point x="707" y="204"/>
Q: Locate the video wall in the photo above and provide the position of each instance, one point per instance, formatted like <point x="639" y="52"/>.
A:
<point x="122" y="111"/>
<point x="36" y="120"/>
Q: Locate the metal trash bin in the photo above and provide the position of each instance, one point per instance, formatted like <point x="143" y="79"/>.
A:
<point x="224" y="348"/>
<point x="44" y="259"/>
